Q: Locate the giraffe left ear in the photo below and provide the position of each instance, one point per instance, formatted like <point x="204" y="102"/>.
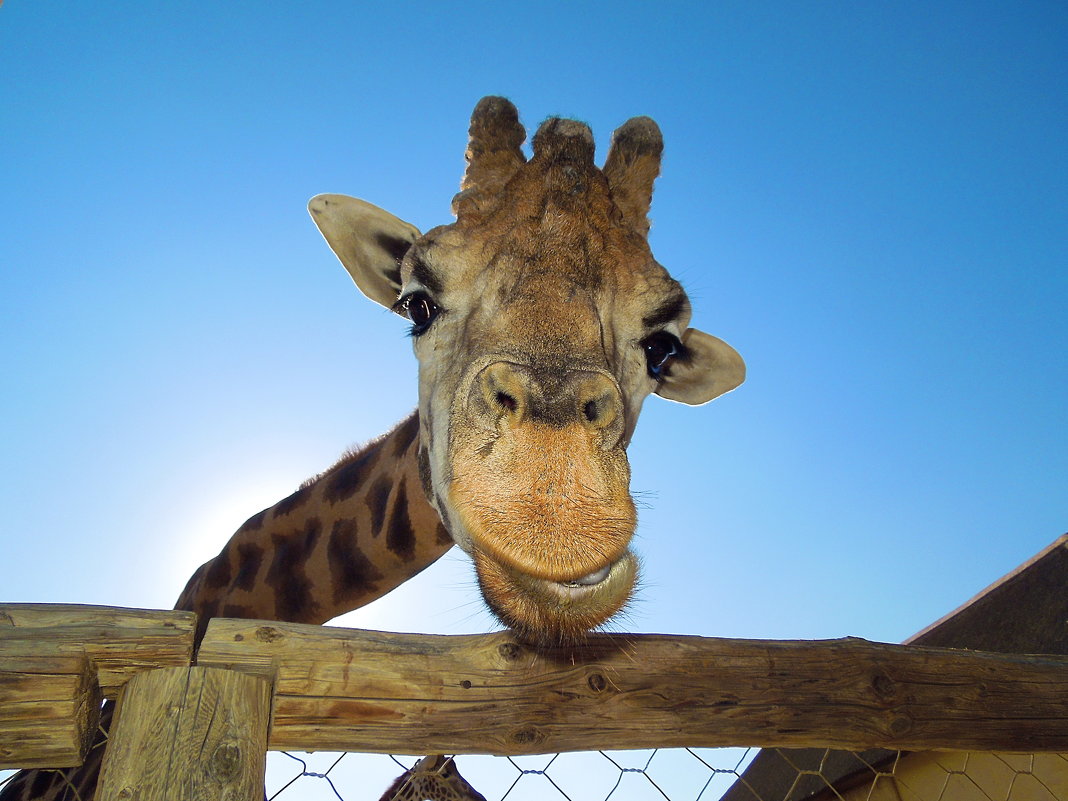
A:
<point x="369" y="241"/>
<point x="710" y="368"/>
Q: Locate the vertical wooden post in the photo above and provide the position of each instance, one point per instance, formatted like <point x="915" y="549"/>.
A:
<point x="188" y="734"/>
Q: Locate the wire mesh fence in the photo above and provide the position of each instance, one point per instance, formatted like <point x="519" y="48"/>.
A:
<point x="678" y="774"/>
<point x="654" y="774"/>
<point x="724" y="774"/>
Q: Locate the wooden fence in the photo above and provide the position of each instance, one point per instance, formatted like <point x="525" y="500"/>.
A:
<point x="204" y="723"/>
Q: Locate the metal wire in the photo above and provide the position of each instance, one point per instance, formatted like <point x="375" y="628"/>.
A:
<point x="682" y="775"/>
<point x="708" y="775"/>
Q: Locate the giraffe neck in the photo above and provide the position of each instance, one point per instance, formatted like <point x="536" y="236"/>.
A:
<point x="349" y="536"/>
<point x="342" y="540"/>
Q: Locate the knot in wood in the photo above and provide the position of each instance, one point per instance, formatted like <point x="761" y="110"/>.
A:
<point x="268" y="634"/>
<point x="597" y="682"/>
<point x="527" y="736"/>
<point x="885" y="688"/>
<point x="225" y="763"/>
<point x="509" y="651"/>
<point x="900" y="726"/>
<point x="466" y="684"/>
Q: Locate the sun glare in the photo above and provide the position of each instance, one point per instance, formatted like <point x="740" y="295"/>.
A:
<point x="210" y="523"/>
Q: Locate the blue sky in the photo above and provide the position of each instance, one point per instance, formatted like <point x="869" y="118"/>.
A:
<point x="870" y="202"/>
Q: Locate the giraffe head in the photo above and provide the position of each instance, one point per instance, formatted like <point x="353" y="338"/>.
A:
<point x="541" y="322"/>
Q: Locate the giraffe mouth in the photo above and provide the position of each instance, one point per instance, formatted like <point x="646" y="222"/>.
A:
<point x="557" y="612"/>
<point x="592" y="580"/>
<point x="578" y="590"/>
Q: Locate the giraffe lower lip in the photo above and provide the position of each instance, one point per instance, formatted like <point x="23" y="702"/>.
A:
<point x="547" y="611"/>
<point x="591" y="580"/>
<point x="589" y="586"/>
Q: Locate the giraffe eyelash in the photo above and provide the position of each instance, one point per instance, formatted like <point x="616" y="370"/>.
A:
<point x="420" y="309"/>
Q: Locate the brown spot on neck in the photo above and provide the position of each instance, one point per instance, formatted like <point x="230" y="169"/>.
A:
<point x="405" y="435"/>
<point x="345" y="479"/>
<point x="353" y="574"/>
<point x="401" y="539"/>
<point x="287" y="574"/>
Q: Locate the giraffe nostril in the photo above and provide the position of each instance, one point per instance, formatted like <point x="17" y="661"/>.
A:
<point x="600" y="410"/>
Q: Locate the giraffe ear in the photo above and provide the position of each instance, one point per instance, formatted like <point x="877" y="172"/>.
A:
<point x="369" y="241"/>
<point x="710" y="368"/>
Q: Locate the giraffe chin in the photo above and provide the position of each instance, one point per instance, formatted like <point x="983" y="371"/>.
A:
<point x="553" y="613"/>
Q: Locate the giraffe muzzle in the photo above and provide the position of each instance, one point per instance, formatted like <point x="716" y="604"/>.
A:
<point x="539" y="495"/>
<point x="545" y="502"/>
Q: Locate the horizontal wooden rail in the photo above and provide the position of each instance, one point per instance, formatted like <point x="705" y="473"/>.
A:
<point x="56" y="663"/>
<point x="49" y="708"/>
<point x="119" y="642"/>
<point x="368" y="691"/>
<point x="339" y="689"/>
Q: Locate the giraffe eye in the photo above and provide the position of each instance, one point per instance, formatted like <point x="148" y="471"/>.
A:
<point x="660" y="349"/>
<point x="420" y="309"/>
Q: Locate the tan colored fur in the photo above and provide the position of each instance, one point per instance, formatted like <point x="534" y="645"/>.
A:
<point x="565" y="278"/>
<point x="532" y="319"/>
<point x="551" y="480"/>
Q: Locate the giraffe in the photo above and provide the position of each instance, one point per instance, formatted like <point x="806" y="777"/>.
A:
<point x="540" y="322"/>
<point x="434" y="778"/>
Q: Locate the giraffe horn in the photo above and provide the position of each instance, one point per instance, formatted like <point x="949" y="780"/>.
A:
<point x="493" y="154"/>
<point x="631" y="168"/>
<point x="559" y="140"/>
<point x="565" y="147"/>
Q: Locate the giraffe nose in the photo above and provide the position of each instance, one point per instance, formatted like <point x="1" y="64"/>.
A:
<point x="510" y="394"/>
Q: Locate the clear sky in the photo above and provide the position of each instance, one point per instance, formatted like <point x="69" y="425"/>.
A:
<point x="869" y="201"/>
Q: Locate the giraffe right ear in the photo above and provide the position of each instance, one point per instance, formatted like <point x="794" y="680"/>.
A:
<point x="369" y="241"/>
<point x="711" y="367"/>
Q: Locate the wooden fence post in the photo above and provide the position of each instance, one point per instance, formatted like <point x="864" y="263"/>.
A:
<point x="188" y="734"/>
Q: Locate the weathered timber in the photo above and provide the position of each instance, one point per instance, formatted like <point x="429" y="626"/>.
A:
<point x="188" y="734"/>
<point x="339" y="689"/>
<point x="49" y="708"/>
<point x="1023" y="612"/>
<point x="118" y="642"/>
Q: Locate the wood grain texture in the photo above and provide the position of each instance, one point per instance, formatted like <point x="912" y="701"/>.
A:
<point x="118" y="642"/>
<point x="188" y="734"/>
<point x="339" y="689"/>
<point x="49" y="708"/>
